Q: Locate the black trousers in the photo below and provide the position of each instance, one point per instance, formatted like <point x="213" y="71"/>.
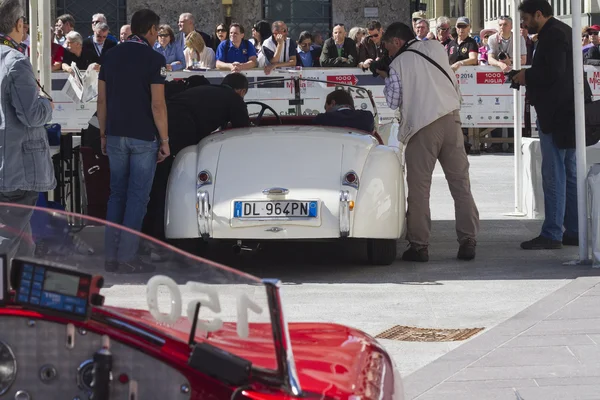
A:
<point x="182" y="133"/>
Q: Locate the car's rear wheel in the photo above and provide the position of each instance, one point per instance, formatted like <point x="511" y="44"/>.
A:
<point x="381" y="251"/>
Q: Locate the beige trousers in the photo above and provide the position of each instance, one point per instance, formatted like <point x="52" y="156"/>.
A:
<point x="441" y="140"/>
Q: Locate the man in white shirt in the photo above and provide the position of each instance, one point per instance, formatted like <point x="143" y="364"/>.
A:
<point x="278" y="49"/>
<point x="423" y="88"/>
<point x="501" y="46"/>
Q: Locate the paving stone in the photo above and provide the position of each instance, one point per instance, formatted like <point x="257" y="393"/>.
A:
<point x="549" y="340"/>
<point x="528" y="356"/>
<point x="585" y="307"/>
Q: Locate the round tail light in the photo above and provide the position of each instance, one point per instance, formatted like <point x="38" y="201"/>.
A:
<point x="351" y="177"/>
<point x="204" y="177"/>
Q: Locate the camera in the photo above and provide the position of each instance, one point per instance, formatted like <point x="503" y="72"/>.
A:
<point x="502" y="56"/>
<point x="383" y="64"/>
<point x="510" y="74"/>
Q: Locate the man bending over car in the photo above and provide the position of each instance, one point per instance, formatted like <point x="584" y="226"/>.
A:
<point x="193" y="115"/>
<point x="339" y="111"/>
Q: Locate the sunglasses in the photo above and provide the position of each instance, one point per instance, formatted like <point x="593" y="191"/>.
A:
<point x="375" y="35"/>
<point x="462" y="26"/>
<point x="594" y="33"/>
<point x="442" y="29"/>
<point x="96" y="22"/>
<point x="223" y="30"/>
<point x="163" y="35"/>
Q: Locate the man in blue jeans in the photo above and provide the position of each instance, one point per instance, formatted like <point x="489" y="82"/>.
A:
<point x="550" y="88"/>
<point x="133" y="128"/>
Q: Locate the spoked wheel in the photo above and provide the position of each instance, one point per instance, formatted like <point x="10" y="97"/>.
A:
<point x="381" y="251"/>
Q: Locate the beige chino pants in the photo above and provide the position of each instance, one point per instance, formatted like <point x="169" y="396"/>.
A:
<point x="441" y="140"/>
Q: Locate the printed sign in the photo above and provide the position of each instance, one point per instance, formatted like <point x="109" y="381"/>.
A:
<point x="344" y="79"/>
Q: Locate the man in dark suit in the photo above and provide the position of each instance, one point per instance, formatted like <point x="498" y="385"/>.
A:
<point x="193" y="115"/>
<point x="550" y="89"/>
<point x="339" y="51"/>
<point x="96" y="46"/>
<point x="339" y="111"/>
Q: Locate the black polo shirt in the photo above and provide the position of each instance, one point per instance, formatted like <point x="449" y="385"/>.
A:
<point x="460" y="52"/>
<point x="82" y="61"/>
<point x="128" y="70"/>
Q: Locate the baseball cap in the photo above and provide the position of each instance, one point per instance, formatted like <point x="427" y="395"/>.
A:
<point x="463" y="21"/>
<point x="419" y="15"/>
<point x="594" y="28"/>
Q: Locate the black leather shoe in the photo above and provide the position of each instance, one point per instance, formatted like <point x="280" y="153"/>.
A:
<point x="111" y="266"/>
<point x="541" y="243"/>
<point x="466" y="251"/>
<point x="416" y="254"/>
<point x="570" y="240"/>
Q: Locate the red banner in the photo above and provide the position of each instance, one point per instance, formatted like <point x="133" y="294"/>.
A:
<point x="493" y="78"/>
<point x="344" y="79"/>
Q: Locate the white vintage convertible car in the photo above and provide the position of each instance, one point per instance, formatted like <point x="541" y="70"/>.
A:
<point x="286" y="179"/>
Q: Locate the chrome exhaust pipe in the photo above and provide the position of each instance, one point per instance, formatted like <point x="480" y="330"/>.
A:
<point x="240" y="248"/>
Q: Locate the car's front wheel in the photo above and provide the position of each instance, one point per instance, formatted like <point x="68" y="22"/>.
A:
<point x="381" y="251"/>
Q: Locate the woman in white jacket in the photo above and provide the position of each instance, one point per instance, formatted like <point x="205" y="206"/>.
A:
<point x="197" y="53"/>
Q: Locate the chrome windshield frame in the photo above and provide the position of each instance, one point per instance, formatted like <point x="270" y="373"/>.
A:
<point x="298" y="102"/>
<point x="286" y="364"/>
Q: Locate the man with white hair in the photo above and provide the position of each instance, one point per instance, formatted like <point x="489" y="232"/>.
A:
<point x="442" y="30"/>
<point x="26" y="167"/>
<point x="187" y="24"/>
<point x="75" y="53"/>
<point x="101" y="19"/>
<point x="96" y="46"/>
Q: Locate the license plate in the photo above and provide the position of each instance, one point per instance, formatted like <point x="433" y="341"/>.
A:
<point x="275" y="209"/>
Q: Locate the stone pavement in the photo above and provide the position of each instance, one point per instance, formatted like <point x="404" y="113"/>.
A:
<point x="548" y="351"/>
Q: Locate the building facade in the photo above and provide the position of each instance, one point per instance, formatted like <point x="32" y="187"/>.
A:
<point x="311" y="15"/>
<point x="562" y="10"/>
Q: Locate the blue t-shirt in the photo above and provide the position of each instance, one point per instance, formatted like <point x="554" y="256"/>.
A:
<point x="128" y="70"/>
<point x="241" y="54"/>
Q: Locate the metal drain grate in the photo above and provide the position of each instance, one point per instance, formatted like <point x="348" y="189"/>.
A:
<point x="413" y="334"/>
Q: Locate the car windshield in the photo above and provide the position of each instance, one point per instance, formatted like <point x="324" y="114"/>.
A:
<point x="234" y="312"/>
<point x="298" y="96"/>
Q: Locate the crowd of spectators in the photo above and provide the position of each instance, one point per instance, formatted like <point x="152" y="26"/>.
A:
<point x="269" y="45"/>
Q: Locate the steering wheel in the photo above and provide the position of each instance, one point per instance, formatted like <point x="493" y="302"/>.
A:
<point x="263" y="108"/>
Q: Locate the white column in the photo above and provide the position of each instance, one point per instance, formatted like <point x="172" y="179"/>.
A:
<point x="33" y="34"/>
<point x="45" y="47"/>
<point x="580" y="133"/>
<point x="518" y="110"/>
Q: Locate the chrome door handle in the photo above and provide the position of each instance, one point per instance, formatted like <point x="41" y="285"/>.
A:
<point x="276" y="190"/>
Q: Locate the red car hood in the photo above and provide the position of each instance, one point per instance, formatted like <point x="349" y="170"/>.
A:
<point x="332" y="360"/>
